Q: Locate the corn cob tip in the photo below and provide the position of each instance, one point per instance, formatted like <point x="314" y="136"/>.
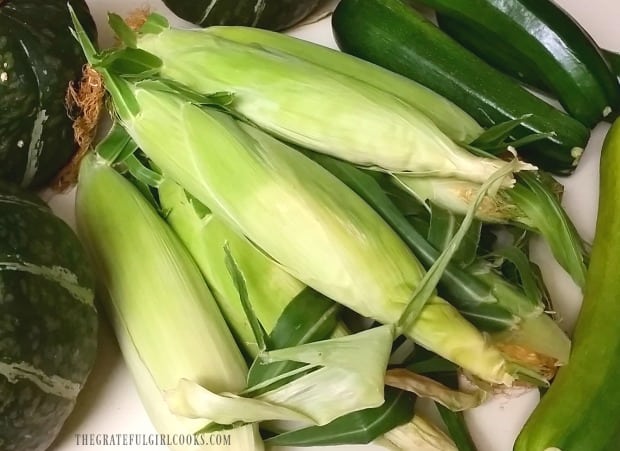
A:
<point x="543" y="365"/>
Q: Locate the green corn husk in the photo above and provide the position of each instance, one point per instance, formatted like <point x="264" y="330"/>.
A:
<point x="272" y="289"/>
<point x="277" y="91"/>
<point x="316" y="108"/>
<point x="550" y="220"/>
<point x="484" y="297"/>
<point x="428" y="437"/>
<point x="310" y="204"/>
<point x="457" y="195"/>
<point x="204" y="235"/>
<point x="162" y="312"/>
<point x="449" y="118"/>
<point x="327" y="363"/>
<point x="529" y="204"/>
<point x="292" y="209"/>
<point x="179" y="388"/>
<point x="313" y="198"/>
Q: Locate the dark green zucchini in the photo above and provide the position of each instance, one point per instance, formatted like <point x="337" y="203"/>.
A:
<point x="38" y="59"/>
<point x="48" y="323"/>
<point x="270" y="14"/>
<point x="497" y="53"/>
<point x="538" y="41"/>
<point x="391" y="34"/>
<point x="581" y="409"/>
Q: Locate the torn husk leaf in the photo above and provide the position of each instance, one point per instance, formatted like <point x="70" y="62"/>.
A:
<point x="191" y="400"/>
<point x="343" y="365"/>
<point x="417" y="435"/>
<point x="426" y="387"/>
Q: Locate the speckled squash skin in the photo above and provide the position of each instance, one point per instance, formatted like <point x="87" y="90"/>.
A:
<point x="269" y="14"/>
<point x="38" y="59"/>
<point x="48" y="322"/>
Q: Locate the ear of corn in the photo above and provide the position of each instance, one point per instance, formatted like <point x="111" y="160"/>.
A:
<point x="167" y="323"/>
<point x="269" y="287"/>
<point x="311" y="214"/>
<point x="449" y="118"/>
<point x="316" y="108"/>
<point x="529" y="204"/>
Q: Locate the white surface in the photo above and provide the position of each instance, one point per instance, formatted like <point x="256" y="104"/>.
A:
<point x="109" y="402"/>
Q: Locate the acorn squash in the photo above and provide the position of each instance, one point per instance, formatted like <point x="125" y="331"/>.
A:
<point x="38" y="59"/>
<point x="48" y="321"/>
<point x="268" y="14"/>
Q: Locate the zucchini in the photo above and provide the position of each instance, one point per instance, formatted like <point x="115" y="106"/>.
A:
<point x="391" y="34"/>
<point x="538" y="41"/>
<point x="580" y="410"/>
<point x="38" y="59"/>
<point x="269" y="14"/>
<point x="496" y="53"/>
<point x="48" y="322"/>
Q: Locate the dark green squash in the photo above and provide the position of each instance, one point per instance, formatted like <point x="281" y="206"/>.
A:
<point x="48" y="321"/>
<point x="269" y="14"/>
<point x="38" y="59"/>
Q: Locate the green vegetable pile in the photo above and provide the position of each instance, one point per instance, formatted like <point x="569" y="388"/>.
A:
<point x="296" y="245"/>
